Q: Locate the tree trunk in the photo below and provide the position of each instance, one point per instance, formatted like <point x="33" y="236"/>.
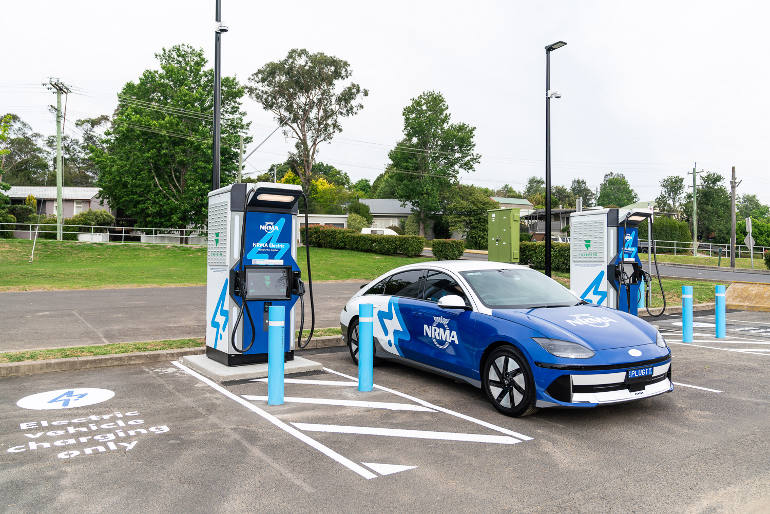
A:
<point x="422" y="224"/>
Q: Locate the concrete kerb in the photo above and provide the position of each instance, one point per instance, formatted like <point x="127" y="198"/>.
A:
<point x="677" y="309"/>
<point x="17" y="369"/>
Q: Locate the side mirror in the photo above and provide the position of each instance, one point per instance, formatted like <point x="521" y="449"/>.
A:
<point x="452" y="301"/>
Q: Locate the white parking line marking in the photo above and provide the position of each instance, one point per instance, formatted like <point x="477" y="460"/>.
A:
<point x="734" y="350"/>
<point x="441" y="409"/>
<point x="307" y="381"/>
<point x="387" y="469"/>
<point x="414" y="434"/>
<point x="280" y="424"/>
<point x="346" y="403"/>
<point x="698" y="387"/>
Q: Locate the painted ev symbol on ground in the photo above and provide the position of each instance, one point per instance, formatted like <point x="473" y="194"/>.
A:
<point x="65" y="398"/>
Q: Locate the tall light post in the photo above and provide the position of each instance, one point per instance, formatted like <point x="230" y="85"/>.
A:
<point x="548" y="94"/>
<point x="218" y="29"/>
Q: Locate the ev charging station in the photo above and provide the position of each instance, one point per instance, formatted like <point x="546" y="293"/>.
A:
<point x="252" y="265"/>
<point x="605" y="268"/>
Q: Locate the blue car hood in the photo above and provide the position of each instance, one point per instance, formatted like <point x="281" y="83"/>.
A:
<point x="599" y="328"/>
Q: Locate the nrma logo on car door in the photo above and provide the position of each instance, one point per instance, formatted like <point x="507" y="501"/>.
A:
<point x="440" y="333"/>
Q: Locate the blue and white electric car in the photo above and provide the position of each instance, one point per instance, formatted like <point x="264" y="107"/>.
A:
<point x="522" y="337"/>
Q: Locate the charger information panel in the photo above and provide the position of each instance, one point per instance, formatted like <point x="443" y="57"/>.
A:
<point x="268" y="282"/>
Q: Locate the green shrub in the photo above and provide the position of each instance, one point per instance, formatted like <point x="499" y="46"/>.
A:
<point x="524" y="236"/>
<point x="411" y="226"/>
<point x="21" y="212"/>
<point x="362" y="210"/>
<point x="46" y="226"/>
<point x="346" y="239"/>
<point x="767" y="259"/>
<point x="667" y="229"/>
<point x="356" y="222"/>
<point x="397" y="229"/>
<point x="99" y="218"/>
<point x="533" y="254"/>
<point x="6" y="231"/>
<point x="448" y="249"/>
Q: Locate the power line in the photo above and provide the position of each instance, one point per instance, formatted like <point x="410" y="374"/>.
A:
<point x="160" y="131"/>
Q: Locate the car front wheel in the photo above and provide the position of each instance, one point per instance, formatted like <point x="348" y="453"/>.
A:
<point x="508" y="383"/>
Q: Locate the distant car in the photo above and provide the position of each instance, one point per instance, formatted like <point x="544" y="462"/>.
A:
<point x="522" y="337"/>
<point x="379" y="231"/>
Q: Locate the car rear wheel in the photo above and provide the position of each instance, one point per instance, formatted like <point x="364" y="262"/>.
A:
<point x="508" y="383"/>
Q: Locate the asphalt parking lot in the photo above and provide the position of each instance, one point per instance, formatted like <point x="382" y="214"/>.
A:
<point x="169" y="439"/>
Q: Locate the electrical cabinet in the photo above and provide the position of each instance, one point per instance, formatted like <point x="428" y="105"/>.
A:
<point x="503" y="235"/>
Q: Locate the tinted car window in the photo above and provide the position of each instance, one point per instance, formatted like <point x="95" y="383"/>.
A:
<point x="406" y="284"/>
<point x="438" y="285"/>
<point x="377" y="288"/>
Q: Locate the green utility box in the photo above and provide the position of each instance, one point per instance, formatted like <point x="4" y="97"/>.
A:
<point x="503" y="235"/>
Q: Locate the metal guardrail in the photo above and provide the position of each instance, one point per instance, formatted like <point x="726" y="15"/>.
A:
<point x="93" y="233"/>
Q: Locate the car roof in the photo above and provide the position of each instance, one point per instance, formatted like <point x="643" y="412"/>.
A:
<point x="463" y="265"/>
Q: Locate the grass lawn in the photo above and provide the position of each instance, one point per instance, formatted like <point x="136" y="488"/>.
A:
<point x="703" y="291"/>
<point x="104" y="349"/>
<point x="705" y="260"/>
<point x="119" y="348"/>
<point x="72" y="265"/>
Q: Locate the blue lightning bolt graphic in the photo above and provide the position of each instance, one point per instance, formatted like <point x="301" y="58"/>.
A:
<point x="628" y="249"/>
<point x="268" y="241"/>
<point x="65" y="398"/>
<point x="392" y="324"/>
<point x="593" y="289"/>
<point x="220" y="311"/>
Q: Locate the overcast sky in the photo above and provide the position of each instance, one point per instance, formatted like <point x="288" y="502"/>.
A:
<point x="648" y="88"/>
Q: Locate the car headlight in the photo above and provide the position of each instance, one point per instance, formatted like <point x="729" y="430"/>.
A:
<point x="564" y="349"/>
<point x="660" y="341"/>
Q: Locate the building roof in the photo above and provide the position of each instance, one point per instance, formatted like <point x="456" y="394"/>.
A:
<point x="380" y="206"/>
<point x="647" y="204"/>
<point x="49" y="192"/>
<point x="512" y="201"/>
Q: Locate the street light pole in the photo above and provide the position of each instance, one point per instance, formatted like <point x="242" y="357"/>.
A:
<point x="548" y="50"/>
<point x="218" y="29"/>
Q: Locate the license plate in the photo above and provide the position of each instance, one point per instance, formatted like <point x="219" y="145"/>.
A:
<point x="636" y="374"/>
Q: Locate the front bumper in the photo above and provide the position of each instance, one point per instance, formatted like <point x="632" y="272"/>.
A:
<point x="577" y="388"/>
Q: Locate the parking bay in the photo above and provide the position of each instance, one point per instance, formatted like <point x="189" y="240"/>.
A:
<point x="692" y="448"/>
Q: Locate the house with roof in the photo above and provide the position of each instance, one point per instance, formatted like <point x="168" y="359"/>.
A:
<point x="387" y="211"/>
<point x="74" y="199"/>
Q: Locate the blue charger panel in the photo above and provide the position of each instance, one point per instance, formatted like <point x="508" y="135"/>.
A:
<point x="267" y="241"/>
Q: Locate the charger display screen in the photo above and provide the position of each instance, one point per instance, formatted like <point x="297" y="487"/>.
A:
<point x="268" y="282"/>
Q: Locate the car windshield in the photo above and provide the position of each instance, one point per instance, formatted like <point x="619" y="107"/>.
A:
<point x="520" y="288"/>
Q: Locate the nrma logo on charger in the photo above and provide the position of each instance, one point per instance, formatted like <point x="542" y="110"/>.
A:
<point x="269" y="227"/>
<point x="440" y="333"/>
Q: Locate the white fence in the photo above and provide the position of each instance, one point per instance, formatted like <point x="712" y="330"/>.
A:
<point x="95" y="234"/>
<point x="710" y="249"/>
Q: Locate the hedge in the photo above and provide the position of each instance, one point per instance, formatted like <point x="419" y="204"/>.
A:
<point x="346" y="239"/>
<point x="533" y="254"/>
<point x="767" y="259"/>
<point x="448" y="249"/>
<point x="5" y="230"/>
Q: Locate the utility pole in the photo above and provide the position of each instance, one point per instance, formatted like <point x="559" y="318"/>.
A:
<point x="694" y="210"/>
<point x="240" y="159"/>
<point x="218" y="30"/>
<point x="60" y="88"/>
<point x="733" y="186"/>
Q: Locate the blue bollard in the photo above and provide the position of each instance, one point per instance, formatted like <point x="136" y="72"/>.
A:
<point x="640" y="305"/>
<point x="275" y="354"/>
<point x="365" y="347"/>
<point x="687" y="314"/>
<point x="720" y="311"/>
